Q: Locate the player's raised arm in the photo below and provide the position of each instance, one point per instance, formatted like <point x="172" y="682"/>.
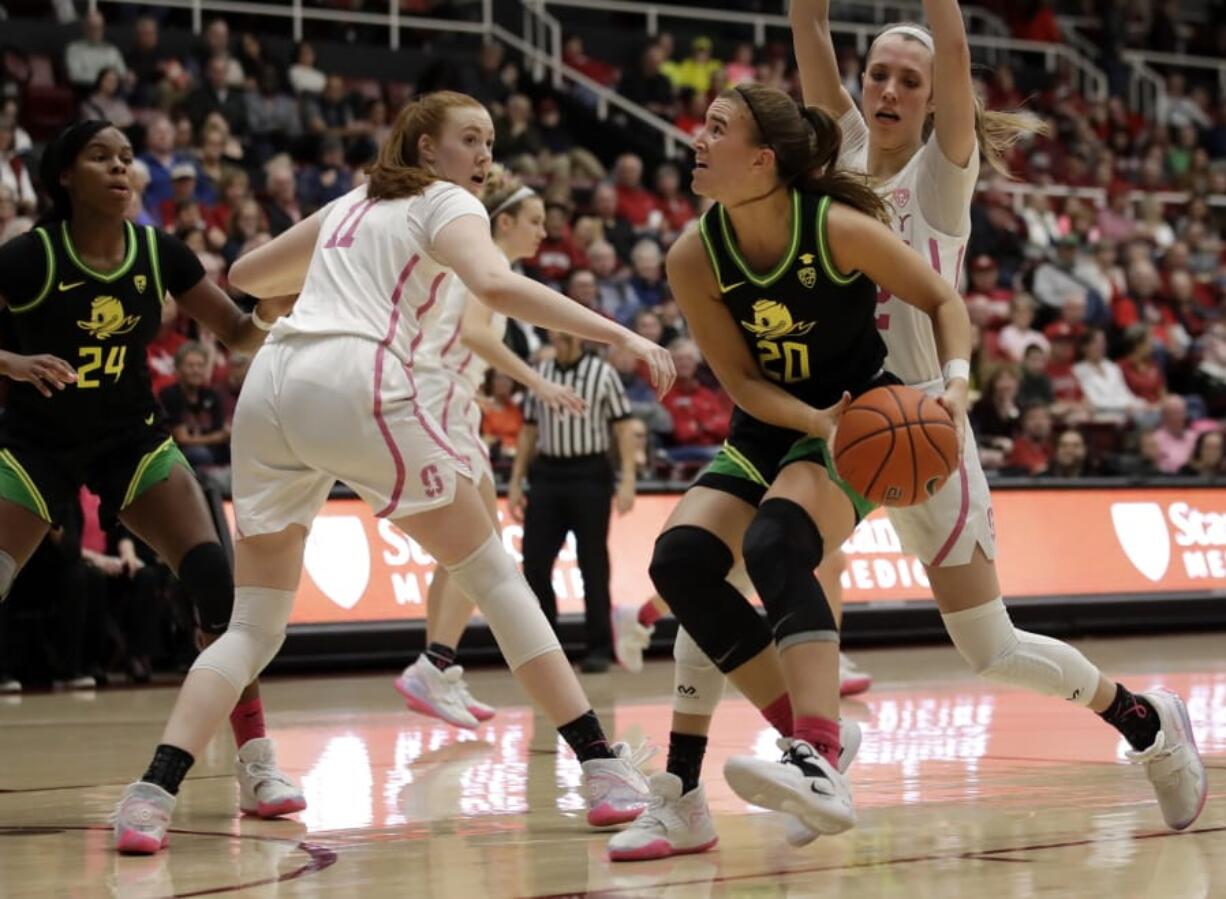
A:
<point x="815" y="57"/>
<point x="953" y="92"/>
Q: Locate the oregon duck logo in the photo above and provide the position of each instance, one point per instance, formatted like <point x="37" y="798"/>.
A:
<point x="106" y="318"/>
<point x="772" y="320"/>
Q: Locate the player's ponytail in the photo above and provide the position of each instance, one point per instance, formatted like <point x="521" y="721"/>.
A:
<point x="806" y="142"/>
<point x="58" y="157"/>
<point x="397" y="171"/>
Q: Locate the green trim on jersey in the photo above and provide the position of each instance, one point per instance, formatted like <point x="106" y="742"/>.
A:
<point x="708" y="244"/>
<point x="155" y="263"/>
<point x="811" y="449"/>
<point x="781" y="266"/>
<point x="832" y="271"/>
<point x="733" y="458"/>
<point x="42" y="294"/>
<point x="130" y="236"/>
<point x="154" y="467"/>
<point x="18" y="487"/>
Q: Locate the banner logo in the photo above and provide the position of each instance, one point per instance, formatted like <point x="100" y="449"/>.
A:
<point x="1141" y="530"/>
<point x="338" y="558"/>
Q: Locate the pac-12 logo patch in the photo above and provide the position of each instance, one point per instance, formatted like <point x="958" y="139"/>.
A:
<point x="902" y="196"/>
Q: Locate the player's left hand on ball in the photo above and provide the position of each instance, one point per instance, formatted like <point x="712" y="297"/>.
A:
<point x="824" y="421"/>
<point x="954" y="401"/>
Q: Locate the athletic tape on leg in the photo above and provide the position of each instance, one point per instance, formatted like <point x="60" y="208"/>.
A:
<point x="698" y="685"/>
<point x="253" y="638"/>
<point x="996" y="650"/>
<point x="490" y="579"/>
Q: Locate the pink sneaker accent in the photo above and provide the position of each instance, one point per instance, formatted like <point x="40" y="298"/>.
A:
<point x="481" y="712"/>
<point x="656" y="849"/>
<point x="276" y="809"/>
<point x="417" y="704"/>
<point x="133" y="842"/>
<point x="608" y="815"/>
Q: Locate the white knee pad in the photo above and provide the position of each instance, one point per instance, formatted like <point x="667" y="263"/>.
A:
<point x="698" y="685"/>
<point x="490" y="579"/>
<point x="999" y="652"/>
<point x="253" y="638"/>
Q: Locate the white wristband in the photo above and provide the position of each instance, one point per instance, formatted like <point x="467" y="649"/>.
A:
<point x="259" y="322"/>
<point x="956" y="368"/>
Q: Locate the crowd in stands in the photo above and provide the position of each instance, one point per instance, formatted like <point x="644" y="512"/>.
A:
<point x="1101" y="344"/>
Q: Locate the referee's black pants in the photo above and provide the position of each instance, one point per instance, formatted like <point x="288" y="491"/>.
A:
<point x="571" y="495"/>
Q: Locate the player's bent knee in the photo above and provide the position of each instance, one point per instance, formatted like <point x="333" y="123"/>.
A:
<point x="996" y="650"/>
<point x="682" y="555"/>
<point x="254" y="637"/>
<point x="690" y="567"/>
<point x="209" y="583"/>
<point x="782" y="548"/>
<point x="698" y="685"/>
<point x="490" y="579"/>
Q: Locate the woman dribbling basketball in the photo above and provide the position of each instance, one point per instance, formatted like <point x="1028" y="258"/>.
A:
<point x="777" y="287"/>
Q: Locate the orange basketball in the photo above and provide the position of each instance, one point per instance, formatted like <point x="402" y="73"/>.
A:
<point x="895" y="446"/>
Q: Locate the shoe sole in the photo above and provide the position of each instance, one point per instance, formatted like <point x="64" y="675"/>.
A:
<point x="657" y="849"/>
<point x="419" y="705"/>
<point x="856" y="684"/>
<point x="269" y="810"/>
<point x="748" y="784"/>
<point x="605" y="815"/>
<point x="1182" y="708"/>
<point x="132" y="842"/>
<point x="481" y="714"/>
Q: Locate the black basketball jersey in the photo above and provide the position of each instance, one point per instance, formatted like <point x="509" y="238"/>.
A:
<point x="98" y="322"/>
<point x="811" y="328"/>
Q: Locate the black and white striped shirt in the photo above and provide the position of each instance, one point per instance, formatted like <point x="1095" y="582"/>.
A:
<point x="569" y="435"/>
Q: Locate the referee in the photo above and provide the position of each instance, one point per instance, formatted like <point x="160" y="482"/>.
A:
<point x="570" y="475"/>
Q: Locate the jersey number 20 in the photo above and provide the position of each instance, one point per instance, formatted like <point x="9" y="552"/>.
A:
<point x="795" y="358"/>
<point x="92" y="361"/>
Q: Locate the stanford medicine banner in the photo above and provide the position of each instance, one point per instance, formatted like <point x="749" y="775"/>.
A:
<point x="1050" y="542"/>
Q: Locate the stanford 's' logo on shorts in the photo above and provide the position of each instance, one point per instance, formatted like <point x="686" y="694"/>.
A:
<point x="432" y="481"/>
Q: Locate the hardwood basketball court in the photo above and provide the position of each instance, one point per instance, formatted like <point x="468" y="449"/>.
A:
<point x="964" y="788"/>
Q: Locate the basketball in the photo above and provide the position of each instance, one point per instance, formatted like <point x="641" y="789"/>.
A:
<point x="895" y="446"/>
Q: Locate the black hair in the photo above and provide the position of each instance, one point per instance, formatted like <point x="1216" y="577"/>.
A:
<point x="58" y="158"/>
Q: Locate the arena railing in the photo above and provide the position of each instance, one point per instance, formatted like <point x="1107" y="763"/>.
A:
<point x="674" y="141"/>
<point x="1091" y="80"/>
<point x="1019" y="190"/>
<point x="1154" y="58"/>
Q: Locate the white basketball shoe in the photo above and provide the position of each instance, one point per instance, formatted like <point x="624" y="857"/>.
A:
<point x="263" y="790"/>
<point x="142" y="819"/>
<point x="852" y="679"/>
<point x="630" y="638"/>
<point x="1173" y="763"/>
<point x="672" y="824"/>
<point x="439" y="694"/>
<point x="616" y="789"/>
<point x="802" y="783"/>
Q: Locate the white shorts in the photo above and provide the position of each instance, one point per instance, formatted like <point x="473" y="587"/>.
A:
<point x="449" y="400"/>
<point x="316" y="410"/>
<point x="944" y="531"/>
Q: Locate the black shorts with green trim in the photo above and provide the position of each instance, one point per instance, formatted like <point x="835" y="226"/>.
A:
<point x="117" y="469"/>
<point x="754" y="454"/>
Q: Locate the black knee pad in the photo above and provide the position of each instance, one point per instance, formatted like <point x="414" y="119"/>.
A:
<point x="209" y="583"/>
<point x="689" y="568"/>
<point x="782" y="547"/>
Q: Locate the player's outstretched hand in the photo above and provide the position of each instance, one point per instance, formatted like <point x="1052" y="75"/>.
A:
<point x="559" y="398"/>
<point x="45" y="372"/>
<point x="659" y="362"/>
<point x="824" y="421"/>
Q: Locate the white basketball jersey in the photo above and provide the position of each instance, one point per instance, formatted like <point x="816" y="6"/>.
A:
<point x="441" y="346"/>
<point x="907" y="332"/>
<point x="371" y="274"/>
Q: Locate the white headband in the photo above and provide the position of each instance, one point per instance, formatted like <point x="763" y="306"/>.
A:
<point x="910" y="31"/>
<point x="518" y="197"/>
